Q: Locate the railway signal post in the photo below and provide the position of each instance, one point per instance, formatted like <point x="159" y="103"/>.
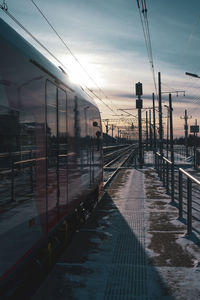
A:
<point x="195" y="129"/>
<point x="138" y="88"/>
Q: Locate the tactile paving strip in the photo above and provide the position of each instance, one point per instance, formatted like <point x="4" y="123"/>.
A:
<point x="129" y="250"/>
<point x="126" y="282"/>
<point x="132" y="204"/>
<point x="127" y="279"/>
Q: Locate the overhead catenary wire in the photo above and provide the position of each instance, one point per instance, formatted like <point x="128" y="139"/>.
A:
<point x="146" y="31"/>
<point x="69" y="50"/>
<point x="4" y="7"/>
<point x="143" y="12"/>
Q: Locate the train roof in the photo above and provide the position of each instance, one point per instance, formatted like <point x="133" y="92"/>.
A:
<point x="33" y="55"/>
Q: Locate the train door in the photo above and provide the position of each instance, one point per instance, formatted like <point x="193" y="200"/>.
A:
<point x="56" y="152"/>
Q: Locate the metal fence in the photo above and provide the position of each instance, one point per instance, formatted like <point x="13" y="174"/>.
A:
<point x="184" y="190"/>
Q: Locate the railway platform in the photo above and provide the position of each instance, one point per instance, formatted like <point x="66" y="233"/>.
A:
<point x="133" y="247"/>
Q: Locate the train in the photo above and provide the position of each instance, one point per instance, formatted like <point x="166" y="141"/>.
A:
<point x="51" y="164"/>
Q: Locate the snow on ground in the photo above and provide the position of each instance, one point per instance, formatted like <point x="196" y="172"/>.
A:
<point x="175" y="255"/>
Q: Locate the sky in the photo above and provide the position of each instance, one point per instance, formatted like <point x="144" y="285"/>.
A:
<point x="106" y="37"/>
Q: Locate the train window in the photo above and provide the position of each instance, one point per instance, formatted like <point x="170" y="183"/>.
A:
<point x="62" y="121"/>
<point x="77" y="128"/>
<point x="56" y="150"/>
<point x="51" y="148"/>
<point x="27" y="130"/>
<point x="51" y="123"/>
<point x="62" y="149"/>
<point x="3" y="96"/>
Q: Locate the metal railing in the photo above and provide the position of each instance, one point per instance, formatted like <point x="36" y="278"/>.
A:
<point x="190" y="179"/>
<point x="166" y="172"/>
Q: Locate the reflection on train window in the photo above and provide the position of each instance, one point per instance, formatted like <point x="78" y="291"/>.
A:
<point x="56" y="150"/>
<point x="51" y="124"/>
<point x="17" y="154"/>
<point x="27" y="130"/>
<point x="62" y="148"/>
<point x="51" y="147"/>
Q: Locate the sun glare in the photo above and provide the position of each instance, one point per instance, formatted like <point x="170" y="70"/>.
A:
<point x="77" y="74"/>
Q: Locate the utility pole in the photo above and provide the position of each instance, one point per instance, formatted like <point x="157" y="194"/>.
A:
<point x="150" y="130"/>
<point x="195" y="130"/>
<point x="171" y="147"/>
<point x="139" y="107"/>
<point x="154" y="123"/>
<point x="195" y="145"/>
<point x="112" y="128"/>
<point x="160" y="115"/>
<point x="107" y="127"/>
<point x="147" y="138"/>
<point x="186" y="117"/>
<point x="118" y="134"/>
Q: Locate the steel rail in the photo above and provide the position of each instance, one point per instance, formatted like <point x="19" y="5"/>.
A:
<point x="116" y="171"/>
<point x="117" y="158"/>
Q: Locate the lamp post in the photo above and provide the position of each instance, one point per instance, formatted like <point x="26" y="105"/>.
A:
<point x="192" y="75"/>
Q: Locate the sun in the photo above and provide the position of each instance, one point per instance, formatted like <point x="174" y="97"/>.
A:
<point x="82" y="71"/>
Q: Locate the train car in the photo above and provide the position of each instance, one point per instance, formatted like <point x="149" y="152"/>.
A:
<point x="50" y="152"/>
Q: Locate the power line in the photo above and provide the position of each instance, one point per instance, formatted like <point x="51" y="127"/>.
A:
<point x="146" y="31"/>
<point x="4" y="7"/>
<point x="69" y="50"/>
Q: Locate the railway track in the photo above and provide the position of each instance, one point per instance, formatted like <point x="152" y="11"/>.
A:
<point x="127" y="158"/>
<point x="114" y="153"/>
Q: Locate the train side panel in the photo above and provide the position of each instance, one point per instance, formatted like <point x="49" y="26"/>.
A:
<point x="22" y="156"/>
<point x="50" y="155"/>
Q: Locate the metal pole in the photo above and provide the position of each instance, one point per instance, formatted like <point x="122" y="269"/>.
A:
<point x="194" y="160"/>
<point x="154" y="123"/>
<point x="150" y="130"/>
<point x="147" y="139"/>
<point x="156" y="163"/>
<point x="140" y="136"/>
<point x="171" y="147"/>
<point x="189" y="206"/>
<point x="180" y="206"/>
<point x="163" y="168"/>
<point x="139" y="107"/>
<point x="160" y="115"/>
<point x="107" y="128"/>
<point x="195" y="145"/>
<point x="167" y="177"/>
<point x="112" y="131"/>
<point x="167" y="131"/>
<point x="186" y="133"/>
